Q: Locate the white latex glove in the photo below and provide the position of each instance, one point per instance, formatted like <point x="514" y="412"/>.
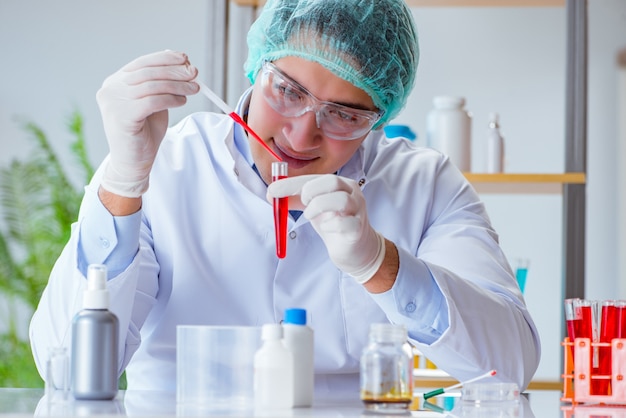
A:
<point x="133" y="103"/>
<point x="336" y="208"/>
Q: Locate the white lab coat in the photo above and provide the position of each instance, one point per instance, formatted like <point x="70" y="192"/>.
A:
<point x="207" y="256"/>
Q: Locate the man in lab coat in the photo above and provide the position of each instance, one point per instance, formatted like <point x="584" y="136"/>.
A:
<point x="381" y="231"/>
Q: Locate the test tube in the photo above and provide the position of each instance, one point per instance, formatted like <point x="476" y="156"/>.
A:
<point x="621" y="310"/>
<point x="579" y="318"/>
<point x="281" y="211"/>
<point x="609" y="323"/>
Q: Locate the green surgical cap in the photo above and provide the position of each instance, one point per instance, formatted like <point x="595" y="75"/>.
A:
<point x="370" y="43"/>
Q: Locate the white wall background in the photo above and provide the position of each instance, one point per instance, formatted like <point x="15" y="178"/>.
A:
<point x="55" y="56"/>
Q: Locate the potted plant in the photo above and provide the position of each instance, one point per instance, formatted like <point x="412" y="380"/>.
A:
<point x="38" y="204"/>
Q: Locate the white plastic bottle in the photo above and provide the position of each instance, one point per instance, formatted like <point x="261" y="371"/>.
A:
<point x="95" y="333"/>
<point x="448" y="129"/>
<point x="495" y="146"/>
<point x="273" y="371"/>
<point x="298" y="338"/>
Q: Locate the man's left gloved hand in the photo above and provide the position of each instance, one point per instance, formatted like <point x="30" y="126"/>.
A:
<point x="336" y="208"/>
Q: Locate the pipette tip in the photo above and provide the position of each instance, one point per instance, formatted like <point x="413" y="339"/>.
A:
<point x="204" y="89"/>
<point x="440" y="391"/>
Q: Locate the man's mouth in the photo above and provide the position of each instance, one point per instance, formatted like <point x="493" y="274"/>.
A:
<point x="294" y="160"/>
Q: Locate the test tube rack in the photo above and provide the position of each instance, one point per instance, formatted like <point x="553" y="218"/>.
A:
<point x="593" y="411"/>
<point x="578" y="372"/>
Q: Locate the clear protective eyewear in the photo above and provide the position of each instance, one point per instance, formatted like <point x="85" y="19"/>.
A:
<point x="290" y="99"/>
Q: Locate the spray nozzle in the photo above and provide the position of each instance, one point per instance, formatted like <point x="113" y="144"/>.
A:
<point x="96" y="295"/>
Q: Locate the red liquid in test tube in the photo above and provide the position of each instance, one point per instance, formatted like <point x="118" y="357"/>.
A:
<point x="578" y="319"/>
<point x="571" y="321"/>
<point x="621" y="311"/>
<point x="585" y="326"/>
<point x="609" y="323"/>
<point x="281" y="211"/>
<point x="581" y="317"/>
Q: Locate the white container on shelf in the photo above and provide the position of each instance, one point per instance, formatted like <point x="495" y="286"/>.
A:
<point x="495" y="145"/>
<point x="448" y="129"/>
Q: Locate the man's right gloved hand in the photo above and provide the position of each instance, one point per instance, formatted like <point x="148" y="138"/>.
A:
<point x="133" y="103"/>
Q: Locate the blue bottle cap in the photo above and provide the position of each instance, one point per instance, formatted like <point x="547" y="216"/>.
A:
<point x="295" y="316"/>
<point x="393" y="131"/>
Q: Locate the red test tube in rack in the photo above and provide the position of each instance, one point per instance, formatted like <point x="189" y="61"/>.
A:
<point x="609" y="323"/>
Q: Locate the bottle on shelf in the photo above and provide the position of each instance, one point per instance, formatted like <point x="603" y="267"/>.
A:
<point x="495" y="145"/>
<point x="95" y="334"/>
<point x="298" y="338"/>
<point x="448" y="129"/>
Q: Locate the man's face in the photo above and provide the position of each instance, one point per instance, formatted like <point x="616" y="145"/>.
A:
<point x="298" y="140"/>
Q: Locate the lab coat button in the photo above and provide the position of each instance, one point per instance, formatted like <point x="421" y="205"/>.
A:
<point x="104" y="242"/>
<point x="410" y="307"/>
<point x="293" y="235"/>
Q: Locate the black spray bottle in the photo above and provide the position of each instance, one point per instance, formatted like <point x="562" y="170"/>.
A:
<point x="95" y="333"/>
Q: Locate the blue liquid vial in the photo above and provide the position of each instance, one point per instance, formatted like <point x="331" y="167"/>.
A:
<point x="520" y="275"/>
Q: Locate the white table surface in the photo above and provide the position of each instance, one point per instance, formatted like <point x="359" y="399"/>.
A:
<point x="32" y="402"/>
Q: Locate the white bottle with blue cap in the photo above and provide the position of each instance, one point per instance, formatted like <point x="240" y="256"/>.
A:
<point x="298" y="338"/>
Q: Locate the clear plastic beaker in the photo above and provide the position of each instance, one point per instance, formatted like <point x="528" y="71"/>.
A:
<point x="215" y="366"/>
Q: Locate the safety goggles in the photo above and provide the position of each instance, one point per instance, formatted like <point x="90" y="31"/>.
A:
<point x="290" y="99"/>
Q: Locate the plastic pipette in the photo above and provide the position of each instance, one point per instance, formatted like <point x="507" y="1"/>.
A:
<point x="439" y="391"/>
<point x="204" y="89"/>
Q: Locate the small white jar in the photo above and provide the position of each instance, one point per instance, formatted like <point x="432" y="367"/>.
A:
<point x="448" y="129"/>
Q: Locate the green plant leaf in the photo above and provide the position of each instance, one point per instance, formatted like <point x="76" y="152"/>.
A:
<point x="39" y="204"/>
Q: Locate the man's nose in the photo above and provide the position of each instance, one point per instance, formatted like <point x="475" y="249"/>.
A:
<point x="305" y="130"/>
<point x="318" y="114"/>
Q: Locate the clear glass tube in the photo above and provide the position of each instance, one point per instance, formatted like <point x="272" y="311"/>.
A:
<point x="57" y="374"/>
<point x="281" y="211"/>
<point x="621" y="312"/>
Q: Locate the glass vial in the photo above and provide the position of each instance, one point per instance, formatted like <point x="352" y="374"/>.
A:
<point x="387" y="369"/>
<point x="57" y="374"/>
<point x="281" y="211"/>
